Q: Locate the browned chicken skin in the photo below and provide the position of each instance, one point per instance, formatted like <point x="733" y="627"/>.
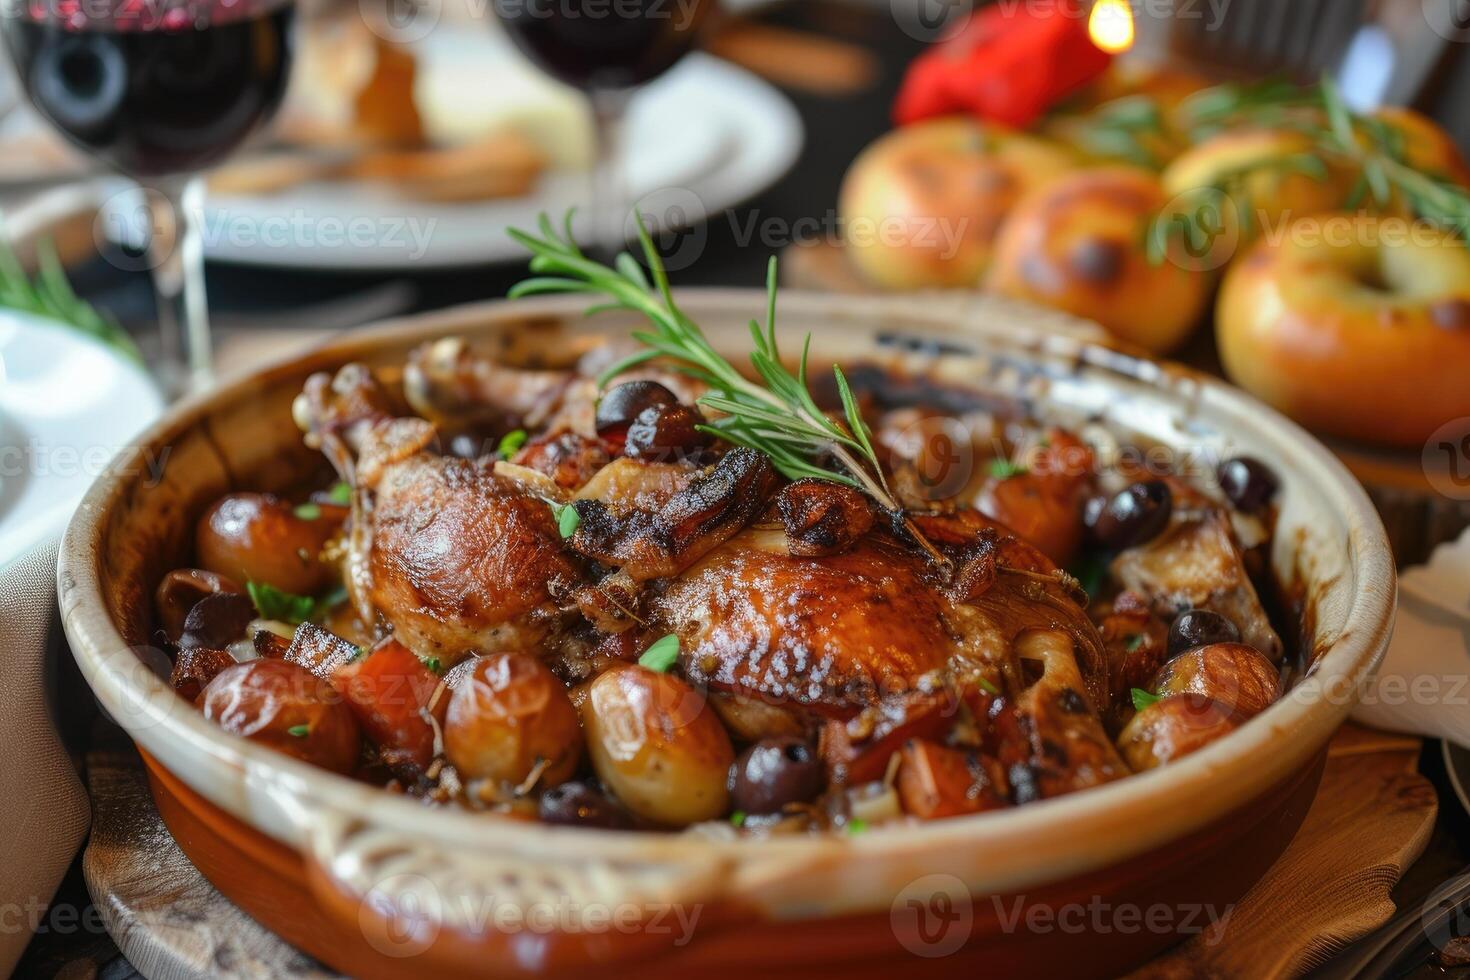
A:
<point x="461" y="560"/>
<point x="826" y="632"/>
<point x="456" y="558"/>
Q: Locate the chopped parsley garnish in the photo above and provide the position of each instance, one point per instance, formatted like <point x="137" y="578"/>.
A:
<point x="300" y="731"/>
<point x="856" y="825"/>
<point x="986" y="685"/>
<point x="272" y="603"/>
<point x="1134" y="642"/>
<point x="738" y="818"/>
<point x="1003" y="469"/>
<point x="434" y="664"/>
<point x="511" y="443"/>
<point x="662" y="654"/>
<point x="1142" y="699"/>
<point x="307" y="511"/>
<point x="340" y="494"/>
<point x="567" y="519"/>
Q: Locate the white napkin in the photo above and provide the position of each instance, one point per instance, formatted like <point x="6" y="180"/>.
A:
<point x="43" y="809"/>
<point x="1423" y="685"/>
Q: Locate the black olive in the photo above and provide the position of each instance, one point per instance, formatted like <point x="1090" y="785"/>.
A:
<point x="579" y="805"/>
<point x="774" y="772"/>
<point x="621" y="405"/>
<point x="216" y="621"/>
<point x="467" y="445"/>
<point x="1198" y="628"/>
<point x="1092" y="509"/>
<point x="667" y="433"/>
<point x="1135" y="515"/>
<point x="1247" y="483"/>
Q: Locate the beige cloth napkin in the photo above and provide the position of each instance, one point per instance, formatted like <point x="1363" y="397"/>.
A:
<point x="1423" y="684"/>
<point x="44" y="812"/>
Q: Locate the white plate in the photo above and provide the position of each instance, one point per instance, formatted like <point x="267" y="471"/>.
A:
<point x="701" y="139"/>
<point x="68" y="404"/>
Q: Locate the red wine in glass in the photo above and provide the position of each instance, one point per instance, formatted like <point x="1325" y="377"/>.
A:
<point x="597" y="44"/>
<point x="606" y="48"/>
<point x="152" y="89"/>
<point x="159" y="90"/>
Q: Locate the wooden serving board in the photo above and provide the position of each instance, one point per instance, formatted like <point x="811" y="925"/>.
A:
<point x="1371" y="819"/>
<point x="1408" y="488"/>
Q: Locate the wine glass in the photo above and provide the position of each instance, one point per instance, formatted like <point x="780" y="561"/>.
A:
<point x="606" y="50"/>
<point x="158" y="90"/>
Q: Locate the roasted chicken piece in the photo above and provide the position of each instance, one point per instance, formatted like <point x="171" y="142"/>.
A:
<point x="712" y="507"/>
<point x="457" y="558"/>
<point x="450" y="383"/>
<point x="843" y="631"/>
<point x="831" y="632"/>
<point x="453" y="384"/>
<point x="1196" y="564"/>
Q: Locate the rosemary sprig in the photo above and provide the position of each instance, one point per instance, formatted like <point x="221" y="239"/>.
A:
<point x="1120" y="130"/>
<point x="1270" y="102"/>
<point x="50" y="295"/>
<point x="1199" y="217"/>
<point x="1369" y="146"/>
<point x="775" y="415"/>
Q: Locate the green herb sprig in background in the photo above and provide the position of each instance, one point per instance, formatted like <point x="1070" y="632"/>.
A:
<point x="49" y="295"/>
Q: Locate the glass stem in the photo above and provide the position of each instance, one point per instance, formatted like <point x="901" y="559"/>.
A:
<point x="176" y="255"/>
<point x="609" y="190"/>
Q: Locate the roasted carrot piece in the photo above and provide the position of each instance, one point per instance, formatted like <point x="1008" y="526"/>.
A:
<point x="936" y="781"/>
<point x="390" y="689"/>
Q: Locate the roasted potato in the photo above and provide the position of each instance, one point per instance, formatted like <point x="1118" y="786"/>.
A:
<point x="657" y="745"/>
<point x="508" y="716"/>
<point x="287" y="708"/>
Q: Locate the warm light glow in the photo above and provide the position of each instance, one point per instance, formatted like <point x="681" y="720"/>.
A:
<point x="1110" y="25"/>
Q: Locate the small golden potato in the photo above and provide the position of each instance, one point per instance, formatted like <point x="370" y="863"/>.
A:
<point x="508" y="715"/>
<point x="1233" y="674"/>
<point x="1172" y="728"/>
<point x="258" y="537"/>
<point x="286" y="708"/>
<point x="656" y="744"/>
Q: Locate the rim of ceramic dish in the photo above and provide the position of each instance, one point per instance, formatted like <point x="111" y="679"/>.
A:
<point x="1177" y="799"/>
